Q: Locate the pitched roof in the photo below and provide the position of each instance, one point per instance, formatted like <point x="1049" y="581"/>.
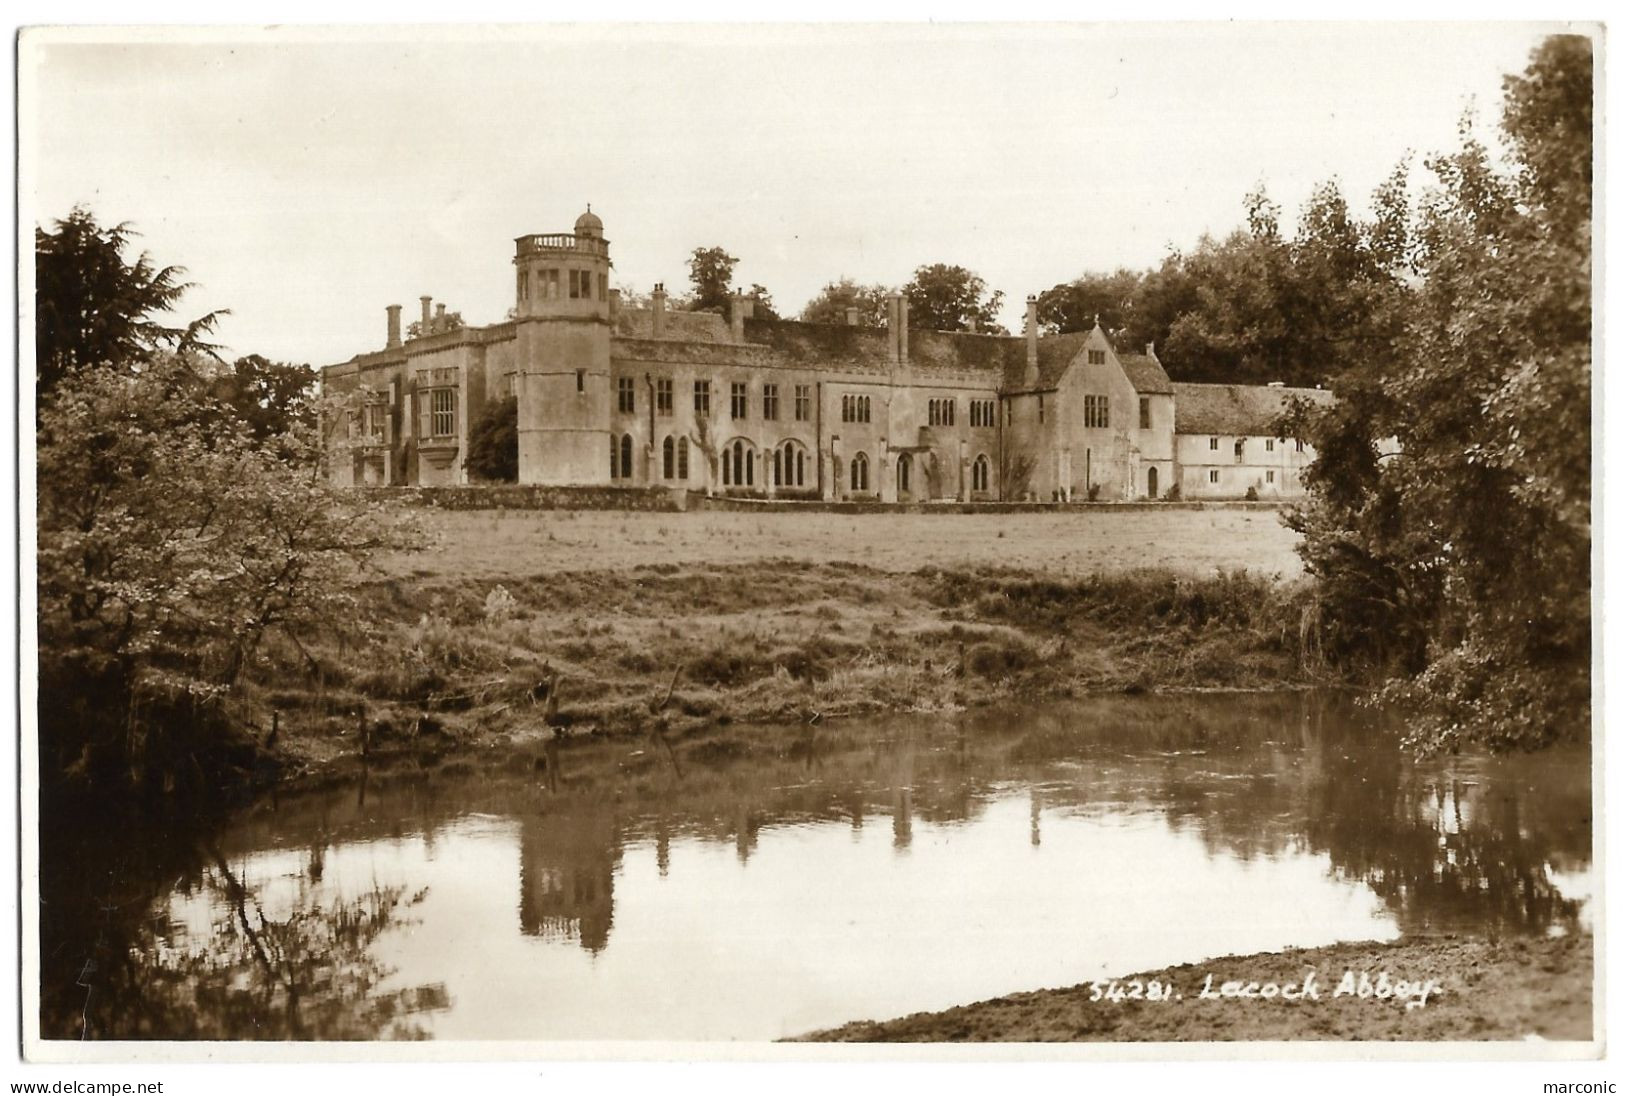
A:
<point x="1236" y="409"/>
<point x="1055" y="353"/>
<point x="638" y="323"/>
<point x="1146" y="374"/>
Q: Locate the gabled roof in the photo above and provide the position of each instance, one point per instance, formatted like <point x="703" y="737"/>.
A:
<point x="1146" y="374"/>
<point x="1055" y="353"/>
<point x="1236" y="409"/>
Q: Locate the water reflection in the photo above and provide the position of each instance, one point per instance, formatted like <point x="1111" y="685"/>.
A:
<point x="567" y="864"/>
<point x="742" y="895"/>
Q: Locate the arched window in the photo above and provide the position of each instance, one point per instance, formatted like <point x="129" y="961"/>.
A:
<point x="905" y="466"/>
<point x="750" y="468"/>
<point x="778" y="468"/>
<point x="727" y="468"/>
<point x="860" y="472"/>
<point x="614" y="458"/>
<point x="668" y="458"/>
<point x="801" y="468"/>
<point x="979" y="473"/>
<point x="682" y="458"/>
<point x="626" y="456"/>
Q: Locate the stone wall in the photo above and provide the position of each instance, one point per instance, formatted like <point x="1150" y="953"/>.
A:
<point x="511" y="496"/>
<point x="524" y="496"/>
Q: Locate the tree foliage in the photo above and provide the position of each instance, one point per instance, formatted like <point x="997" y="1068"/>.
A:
<point x="832" y="301"/>
<point x="1449" y="521"/>
<point x="1076" y="305"/>
<point x="93" y="307"/>
<point x="710" y="272"/>
<point x="270" y="398"/>
<point x="168" y="549"/>
<point x="761" y="303"/>
<point x="1258" y="305"/>
<point x="493" y="442"/>
<point x="950" y="298"/>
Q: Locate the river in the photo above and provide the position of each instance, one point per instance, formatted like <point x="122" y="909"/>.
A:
<point x="763" y="882"/>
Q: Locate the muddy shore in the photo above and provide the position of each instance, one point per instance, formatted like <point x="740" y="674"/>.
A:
<point x="1511" y="989"/>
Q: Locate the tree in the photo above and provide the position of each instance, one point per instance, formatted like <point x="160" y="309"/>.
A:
<point x="94" y="308"/>
<point x="831" y="303"/>
<point x="1470" y="537"/>
<point x="761" y="303"/>
<point x="168" y="550"/>
<point x="1076" y="305"/>
<point x="711" y="271"/>
<point x="271" y="398"/>
<point x="493" y="442"/>
<point x="951" y="298"/>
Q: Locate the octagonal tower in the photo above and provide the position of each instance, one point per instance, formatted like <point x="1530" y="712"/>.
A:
<point x="562" y="330"/>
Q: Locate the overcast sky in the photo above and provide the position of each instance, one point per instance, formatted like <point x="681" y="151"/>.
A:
<point x="307" y="183"/>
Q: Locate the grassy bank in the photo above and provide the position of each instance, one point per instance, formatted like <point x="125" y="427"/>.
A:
<point x="1502" y="990"/>
<point x="438" y="664"/>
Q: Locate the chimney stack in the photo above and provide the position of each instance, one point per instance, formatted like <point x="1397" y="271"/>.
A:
<point x="738" y="308"/>
<point x="657" y="323"/>
<point x="1150" y="349"/>
<point x="614" y="303"/>
<point x="394" y="339"/>
<point x="423" y="327"/>
<point x="851" y="316"/>
<point x="439" y="317"/>
<point x="894" y="317"/>
<point x="1032" y="336"/>
<point x="902" y="329"/>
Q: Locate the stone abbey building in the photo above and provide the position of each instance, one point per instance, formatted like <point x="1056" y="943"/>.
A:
<point x="613" y="396"/>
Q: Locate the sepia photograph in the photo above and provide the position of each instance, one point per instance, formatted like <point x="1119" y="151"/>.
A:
<point x="626" y="539"/>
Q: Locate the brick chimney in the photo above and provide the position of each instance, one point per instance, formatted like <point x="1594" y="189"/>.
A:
<point x="428" y="310"/>
<point x="657" y="321"/>
<point x="1031" y="374"/>
<point x="394" y="338"/>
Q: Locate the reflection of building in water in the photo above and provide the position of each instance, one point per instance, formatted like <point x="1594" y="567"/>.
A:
<point x="567" y="864"/>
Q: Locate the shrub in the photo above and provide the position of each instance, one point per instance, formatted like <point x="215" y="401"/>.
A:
<point x="493" y="442"/>
<point x="999" y="658"/>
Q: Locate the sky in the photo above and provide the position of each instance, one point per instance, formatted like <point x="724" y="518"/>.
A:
<point x="308" y="178"/>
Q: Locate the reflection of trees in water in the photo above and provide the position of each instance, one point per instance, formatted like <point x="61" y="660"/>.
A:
<point x="1443" y="851"/>
<point x="309" y="974"/>
<point x="116" y="968"/>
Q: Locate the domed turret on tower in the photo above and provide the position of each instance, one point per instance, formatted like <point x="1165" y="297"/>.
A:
<point x="588" y="224"/>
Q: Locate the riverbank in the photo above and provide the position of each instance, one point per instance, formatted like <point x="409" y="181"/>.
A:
<point x="1509" y="989"/>
<point x="437" y="665"/>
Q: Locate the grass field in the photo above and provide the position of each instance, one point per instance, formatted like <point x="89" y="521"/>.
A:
<point x="515" y="544"/>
